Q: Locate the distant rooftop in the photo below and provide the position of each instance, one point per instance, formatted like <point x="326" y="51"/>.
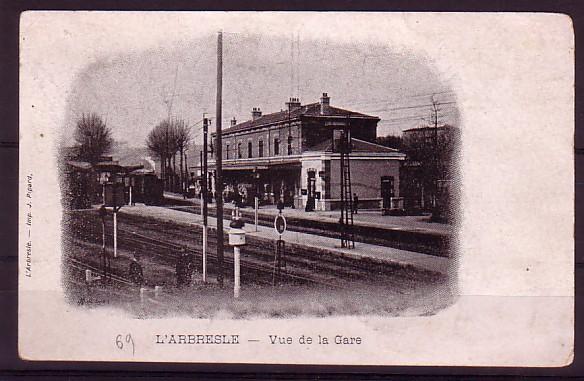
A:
<point x="426" y="128"/>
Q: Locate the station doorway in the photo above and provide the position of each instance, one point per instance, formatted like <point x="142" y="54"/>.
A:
<point x="311" y="191"/>
<point x="387" y="191"/>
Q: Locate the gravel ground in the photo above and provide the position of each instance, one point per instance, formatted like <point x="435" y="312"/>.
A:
<point x="408" y="294"/>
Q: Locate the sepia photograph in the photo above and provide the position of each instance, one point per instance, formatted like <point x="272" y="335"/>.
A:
<point x="301" y="187"/>
<point x="245" y="175"/>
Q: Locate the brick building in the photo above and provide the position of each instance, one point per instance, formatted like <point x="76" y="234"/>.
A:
<point x="288" y="155"/>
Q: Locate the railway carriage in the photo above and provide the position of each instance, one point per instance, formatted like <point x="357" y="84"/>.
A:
<point x="147" y="188"/>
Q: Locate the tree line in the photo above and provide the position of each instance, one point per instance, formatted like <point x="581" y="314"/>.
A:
<point x="167" y="140"/>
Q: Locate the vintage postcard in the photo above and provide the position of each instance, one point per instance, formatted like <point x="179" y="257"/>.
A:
<point x="297" y="188"/>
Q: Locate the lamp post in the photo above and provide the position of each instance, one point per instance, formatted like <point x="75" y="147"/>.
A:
<point x="256" y="198"/>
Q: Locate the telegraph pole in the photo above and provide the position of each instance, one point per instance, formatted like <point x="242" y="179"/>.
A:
<point x="219" y="160"/>
<point x="201" y="169"/>
<point x="204" y="193"/>
<point x="435" y="175"/>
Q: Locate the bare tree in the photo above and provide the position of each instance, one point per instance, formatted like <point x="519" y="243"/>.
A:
<point x="157" y="143"/>
<point x="93" y="138"/>
<point x="434" y="170"/>
<point x="429" y="152"/>
<point x="182" y="138"/>
<point x="166" y="140"/>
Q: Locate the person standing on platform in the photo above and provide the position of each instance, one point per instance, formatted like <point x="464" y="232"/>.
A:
<point x="183" y="269"/>
<point x="355" y="203"/>
<point x="190" y="260"/>
<point x="135" y="271"/>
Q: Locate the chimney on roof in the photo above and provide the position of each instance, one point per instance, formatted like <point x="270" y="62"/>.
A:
<point x="325" y="102"/>
<point x="256" y="113"/>
<point x="293" y="104"/>
<point x="233" y="122"/>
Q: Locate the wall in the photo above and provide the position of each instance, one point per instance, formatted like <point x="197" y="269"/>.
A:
<point x="365" y="177"/>
<point x="268" y="135"/>
<point x="365" y="180"/>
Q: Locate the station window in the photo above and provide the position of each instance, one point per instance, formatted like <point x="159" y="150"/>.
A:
<point x="227" y="151"/>
<point x="276" y="146"/>
<point x="239" y="150"/>
<point x="249" y="150"/>
<point x="290" y="145"/>
<point x="261" y="148"/>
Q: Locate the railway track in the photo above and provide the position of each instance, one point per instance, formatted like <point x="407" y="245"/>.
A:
<point x="249" y="264"/>
<point x="303" y="265"/>
<point x="317" y="260"/>
<point x="427" y="243"/>
<point x="80" y="267"/>
<point x="260" y="271"/>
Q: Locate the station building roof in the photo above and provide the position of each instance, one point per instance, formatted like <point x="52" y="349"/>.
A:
<point x="111" y="166"/>
<point x="79" y="165"/>
<point x="308" y="110"/>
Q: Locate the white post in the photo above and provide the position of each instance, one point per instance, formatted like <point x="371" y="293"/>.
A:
<point x="142" y="295"/>
<point x="115" y="234"/>
<point x="157" y="291"/>
<point x="130" y="203"/>
<point x="236" y="285"/>
<point x="103" y="235"/>
<point x="204" y="254"/>
<point x="202" y="201"/>
<point x="257" y="204"/>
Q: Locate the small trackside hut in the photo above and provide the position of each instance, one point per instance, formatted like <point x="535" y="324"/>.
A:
<point x="288" y="156"/>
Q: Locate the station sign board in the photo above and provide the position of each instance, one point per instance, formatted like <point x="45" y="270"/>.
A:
<point x="114" y="195"/>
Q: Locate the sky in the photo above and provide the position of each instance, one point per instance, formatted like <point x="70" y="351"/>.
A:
<point x="133" y="87"/>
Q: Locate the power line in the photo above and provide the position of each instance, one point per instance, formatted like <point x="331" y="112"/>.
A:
<point x="413" y="107"/>
<point x="406" y="107"/>
<point x="356" y="101"/>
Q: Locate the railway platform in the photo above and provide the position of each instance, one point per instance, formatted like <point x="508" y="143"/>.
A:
<point x="377" y="253"/>
<point x="364" y="218"/>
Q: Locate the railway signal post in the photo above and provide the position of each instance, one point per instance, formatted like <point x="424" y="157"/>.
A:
<point x="236" y="239"/>
<point x="280" y="226"/>
<point x="104" y="258"/>
<point x="204" y="196"/>
<point x="114" y="197"/>
<point x="342" y="145"/>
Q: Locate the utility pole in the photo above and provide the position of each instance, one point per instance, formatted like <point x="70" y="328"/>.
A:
<point x="201" y="170"/>
<point x="186" y="181"/>
<point x="219" y="160"/>
<point x="435" y="176"/>
<point x="204" y="193"/>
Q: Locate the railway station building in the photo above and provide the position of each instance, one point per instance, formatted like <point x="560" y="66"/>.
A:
<point x="289" y="156"/>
